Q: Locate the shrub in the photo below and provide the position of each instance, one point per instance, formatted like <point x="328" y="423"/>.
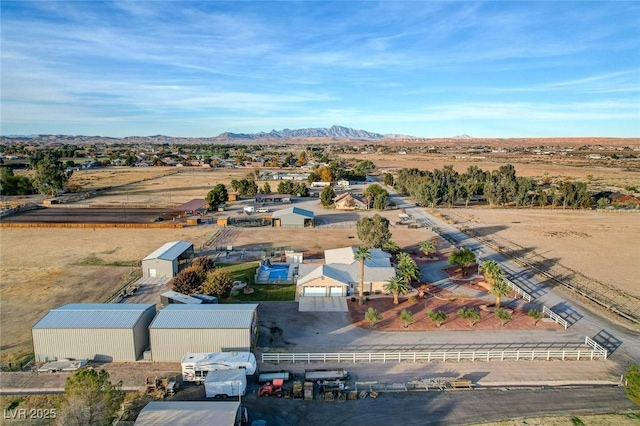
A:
<point x="407" y="318"/>
<point x="470" y="314"/>
<point x="366" y="293"/>
<point x="535" y="315"/>
<point x="438" y="317"/>
<point x="503" y="315"/>
<point x="413" y="300"/>
<point x="372" y="316"/>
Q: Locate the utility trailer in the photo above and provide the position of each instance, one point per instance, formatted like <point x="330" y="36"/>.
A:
<point x="270" y="376"/>
<point x="326" y="375"/>
<point x="225" y="383"/>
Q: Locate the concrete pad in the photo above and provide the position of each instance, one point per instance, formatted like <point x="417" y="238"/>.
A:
<point x="322" y="304"/>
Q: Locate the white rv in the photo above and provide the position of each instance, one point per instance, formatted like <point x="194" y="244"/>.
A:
<point x="195" y="366"/>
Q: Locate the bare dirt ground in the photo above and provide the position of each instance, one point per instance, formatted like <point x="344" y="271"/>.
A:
<point x="41" y="268"/>
<point x="602" y="246"/>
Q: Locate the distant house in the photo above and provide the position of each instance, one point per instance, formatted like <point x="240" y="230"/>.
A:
<point x="273" y="198"/>
<point x="195" y="206"/>
<point x="293" y="217"/>
<point x="254" y="164"/>
<point x="348" y="201"/>
<point x="339" y="276"/>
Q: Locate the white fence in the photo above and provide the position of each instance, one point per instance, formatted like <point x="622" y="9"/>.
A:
<point x="596" y="347"/>
<point x="558" y="319"/>
<point x="520" y="292"/>
<point x="444" y="356"/>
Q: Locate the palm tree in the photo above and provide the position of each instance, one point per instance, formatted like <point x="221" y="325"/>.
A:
<point x="407" y="318"/>
<point x="470" y="314"/>
<point x="437" y="316"/>
<point x="390" y="247"/>
<point x="462" y="257"/>
<point x="407" y="268"/>
<point x="361" y="254"/>
<point x="499" y="289"/>
<point x="428" y="247"/>
<point x="398" y="286"/>
<point x="492" y="271"/>
<point x="373" y="316"/>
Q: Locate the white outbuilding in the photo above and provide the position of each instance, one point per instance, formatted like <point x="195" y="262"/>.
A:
<point x="179" y="329"/>
<point x="95" y="331"/>
<point x="168" y="260"/>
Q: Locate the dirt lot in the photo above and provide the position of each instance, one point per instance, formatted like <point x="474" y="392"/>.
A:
<point x="602" y="246"/>
<point x="41" y="268"/>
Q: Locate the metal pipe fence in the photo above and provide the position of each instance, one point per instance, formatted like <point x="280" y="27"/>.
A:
<point x="557" y="318"/>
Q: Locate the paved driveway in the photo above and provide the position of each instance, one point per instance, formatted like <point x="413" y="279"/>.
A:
<point x="323" y="304"/>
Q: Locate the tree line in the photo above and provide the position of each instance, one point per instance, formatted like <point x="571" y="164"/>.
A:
<point x="500" y="187"/>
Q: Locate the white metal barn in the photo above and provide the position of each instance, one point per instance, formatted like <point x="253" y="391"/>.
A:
<point x="94" y="331"/>
<point x="179" y="329"/>
<point x="168" y="260"/>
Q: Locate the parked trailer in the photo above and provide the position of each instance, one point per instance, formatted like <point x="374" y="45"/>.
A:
<point x="196" y="366"/>
<point x="264" y="377"/>
<point x="225" y="383"/>
<point x="320" y="375"/>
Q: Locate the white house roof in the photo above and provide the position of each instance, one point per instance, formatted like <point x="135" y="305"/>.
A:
<point x="341" y="266"/>
<point x="169" y="251"/>
<point x="293" y="210"/>
<point x="345" y="255"/>
<point x="187" y="413"/>
<point x="205" y="316"/>
<point x="94" y="315"/>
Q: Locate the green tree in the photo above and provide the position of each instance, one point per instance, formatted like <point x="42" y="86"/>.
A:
<point x="407" y="318"/>
<point x="266" y="188"/>
<point x="438" y="317"/>
<point x="390" y="247"/>
<point x="499" y="289"/>
<point x="388" y="179"/>
<point x="407" y="268"/>
<point x="380" y="201"/>
<point x="373" y="316"/>
<point x="462" y="257"/>
<point x="218" y="195"/>
<point x="50" y="173"/>
<point x="428" y="247"/>
<point x="535" y="315"/>
<point x="632" y="384"/>
<point x="361" y="254"/>
<point x="470" y="314"/>
<point x="90" y="399"/>
<point x="326" y="196"/>
<point x="396" y="286"/>
<point x="503" y="315"/>
<point x="373" y="231"/>
<point x="218" y="282"/>
<point x="11" y="184"/>
<point x="492" y="271"/>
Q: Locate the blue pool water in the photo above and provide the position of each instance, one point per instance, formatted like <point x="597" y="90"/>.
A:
<point x="277" y="272"/>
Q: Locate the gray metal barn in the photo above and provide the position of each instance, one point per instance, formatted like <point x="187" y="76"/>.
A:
<point x="168" y="260"/>
<point x="178" y="329"/>
<point x="94" y="331"/>
<point x="292" y="217"/>
<point x="188" y="413"/>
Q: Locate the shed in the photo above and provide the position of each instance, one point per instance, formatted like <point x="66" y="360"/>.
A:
<point x="223" y="221"/>
<point x="178" y="329"/>
<point x="193" y="220"/>
<point x="232" y="196"/>
<point x="293" y="217"/>
<point x="188" y="413"/>
<point x="168" y="260"/>
<point x="94" y="331"/>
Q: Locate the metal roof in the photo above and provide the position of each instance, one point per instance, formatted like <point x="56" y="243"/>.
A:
<point x="205" y="316"/>
<point x="94" y="315"/>
<point x="187" y="413"/>
<point x="170" y="251"/>
<point x="195" y="204"/>
<point x="293" y="210"/>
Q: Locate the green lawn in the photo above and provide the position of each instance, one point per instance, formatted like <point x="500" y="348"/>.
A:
<point x="262" y="292"/>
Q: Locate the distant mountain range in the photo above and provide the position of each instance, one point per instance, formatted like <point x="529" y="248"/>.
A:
<point x="334" y="132"/>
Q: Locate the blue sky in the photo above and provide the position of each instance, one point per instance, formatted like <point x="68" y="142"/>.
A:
<point x="431" y="69"/>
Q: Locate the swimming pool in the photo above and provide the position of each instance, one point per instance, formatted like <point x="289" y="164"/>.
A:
<point x="277" y="272"/>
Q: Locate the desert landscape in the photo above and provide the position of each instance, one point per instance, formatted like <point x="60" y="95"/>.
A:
<point x="55" y="266"/>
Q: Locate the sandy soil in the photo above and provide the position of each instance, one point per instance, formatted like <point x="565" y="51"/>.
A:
<point x="602" y="246"/>
<point x="41" y="268"/>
